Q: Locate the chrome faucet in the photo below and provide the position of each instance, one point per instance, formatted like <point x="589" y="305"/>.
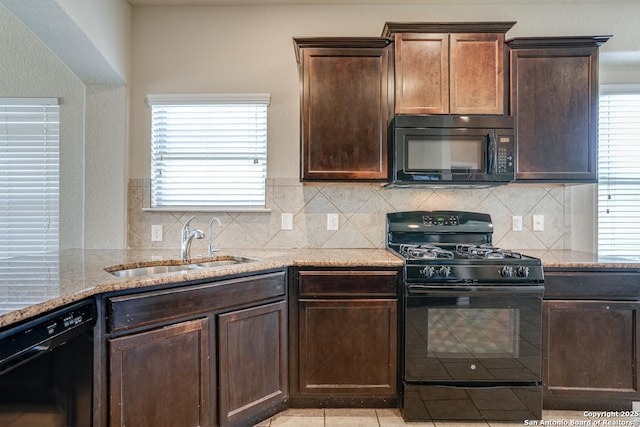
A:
<point x="213" y="247"/>
<point x="187" y="236"/>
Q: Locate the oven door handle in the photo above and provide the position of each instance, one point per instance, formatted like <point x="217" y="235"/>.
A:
<point x="475" y="289"/>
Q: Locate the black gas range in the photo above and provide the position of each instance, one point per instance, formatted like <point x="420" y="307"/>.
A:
<point x="455" y="247"/>
<point x="472" y="320"/>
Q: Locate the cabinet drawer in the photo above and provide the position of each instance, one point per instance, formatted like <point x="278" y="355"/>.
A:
<point x="348" y="283"/>
<point x="609" y="285"/>
<point x="131" y="311"/>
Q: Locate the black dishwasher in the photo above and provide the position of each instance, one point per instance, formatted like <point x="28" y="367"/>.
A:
<point x="46" y="369"/>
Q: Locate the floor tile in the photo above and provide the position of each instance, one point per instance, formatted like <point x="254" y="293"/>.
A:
<point x="458" y="424"/>
<point x="357" y="417"/>
<point x="393" y="418"/>
<point x="311" y="412"/>
<point x="297" y="421"/>
<point x="347" y="417"/>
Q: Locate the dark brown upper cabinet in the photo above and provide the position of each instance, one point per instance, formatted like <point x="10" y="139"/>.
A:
<point x="554" y="98"/>
<point x="449" y="68"/>
<point x="344" y="108"/>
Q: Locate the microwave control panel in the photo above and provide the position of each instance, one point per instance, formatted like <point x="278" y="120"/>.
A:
<point x="505" y="155"/>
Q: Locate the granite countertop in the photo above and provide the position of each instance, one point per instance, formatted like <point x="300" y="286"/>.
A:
<point x="33" y="285"/>
<point x="576" y="259"/>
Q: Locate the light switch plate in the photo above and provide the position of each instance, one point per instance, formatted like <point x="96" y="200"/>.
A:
<point x="516" y="223"/>
<point x="287" y="221"/>
<point x="538" y="223"/>
<point x="156" y="233"/>
<point x="332" y="221"/>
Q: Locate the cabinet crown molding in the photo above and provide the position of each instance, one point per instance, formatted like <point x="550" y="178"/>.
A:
<point x="338" y="42"/>
<point x="391" y="28"/>
<point x="557" y="42"/>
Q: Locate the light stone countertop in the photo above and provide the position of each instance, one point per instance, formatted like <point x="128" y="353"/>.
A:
<point x="30" y="286"/>
<point x="580" y="260"/>
<point x="69" y="276"/>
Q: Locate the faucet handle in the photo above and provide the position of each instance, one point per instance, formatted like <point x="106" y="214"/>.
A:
<point x="185" y="226"/>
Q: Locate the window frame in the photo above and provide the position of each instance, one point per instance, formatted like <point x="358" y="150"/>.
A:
<point x="30" y="133"/>
<point x="231" y="99"/>
<point x="603" y="193"/>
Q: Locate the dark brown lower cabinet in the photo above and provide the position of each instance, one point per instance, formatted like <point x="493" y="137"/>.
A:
<point x="348" y="347"/>
<point x="344" y="338"/>
<point x="201" y="354"/>
<point x="161" y="377"/>
<point x="252" y="362"/>
<point x="590" y="354"/>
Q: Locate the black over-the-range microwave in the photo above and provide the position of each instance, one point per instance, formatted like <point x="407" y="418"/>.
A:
<point x="454" y="150"/>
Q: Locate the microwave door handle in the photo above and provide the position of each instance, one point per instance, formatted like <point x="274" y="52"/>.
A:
<point x="492" y="154"/>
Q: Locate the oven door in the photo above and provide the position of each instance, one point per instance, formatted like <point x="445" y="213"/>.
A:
<point x="473" y="335"/>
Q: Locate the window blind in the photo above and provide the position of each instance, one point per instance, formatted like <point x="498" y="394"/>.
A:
<point x="208" y="151"/>
<point x="619" y="173"/>
<point x="29" y="175"/>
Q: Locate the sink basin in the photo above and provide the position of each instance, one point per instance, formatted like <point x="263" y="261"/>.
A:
<point x="175" y="266"/>
<point x="224" y="260"/>
<point x="153" y="269"/>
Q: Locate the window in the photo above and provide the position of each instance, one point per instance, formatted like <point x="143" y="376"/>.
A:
<point x="208" y="151"/>
<point x="619" y="171"/>
<point x="29" y="175"/>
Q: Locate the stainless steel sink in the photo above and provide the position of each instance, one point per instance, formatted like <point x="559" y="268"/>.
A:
<point x="153" y="269"/>
<point x="224" y="260"/>
<point x="161" y="267"/>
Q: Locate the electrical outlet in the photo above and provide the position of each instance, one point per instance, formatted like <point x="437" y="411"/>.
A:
<point x="538" y="223"/>
<point x="156" y="233"/>
<point x="332" y="221"/>
<point x="287" y="221"/>
<point x="516" y="223"/>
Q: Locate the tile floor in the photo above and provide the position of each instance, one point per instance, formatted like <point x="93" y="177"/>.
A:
<point x="392" y="418"/>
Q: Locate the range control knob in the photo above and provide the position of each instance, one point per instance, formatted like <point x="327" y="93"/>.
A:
<point x="522" y="271"/>
<point x="444" y="271"/>
<point x="506" y="271"/>
<point x="427" y="272"/>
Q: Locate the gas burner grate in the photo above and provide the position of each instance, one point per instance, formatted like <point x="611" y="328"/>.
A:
<point x="425" y="252"/>
<point x="485" y="252"/>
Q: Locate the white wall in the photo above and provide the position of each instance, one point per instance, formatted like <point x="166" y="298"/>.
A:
<point x="50" y="43"/>
<point x="105" y="167"/>
<point x="30" y="69"/>
<point x="250" y="49"/>
<point x="107" y="24"/>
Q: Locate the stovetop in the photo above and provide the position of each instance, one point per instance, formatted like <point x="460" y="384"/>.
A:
<point x="461" y="251"/>
<point x="452" y="246"/>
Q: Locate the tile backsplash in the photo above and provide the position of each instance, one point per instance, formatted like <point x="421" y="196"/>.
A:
<point x="361" y="210"/>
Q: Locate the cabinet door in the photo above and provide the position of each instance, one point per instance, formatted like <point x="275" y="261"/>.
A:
<point x="590" y="354"/>
<point x="161" y="377"/>
<point x="449" y="73"/>
<point x="344" y="114"/>
<point x="252" y="361"/>
<point x="348" y="347"/>
<point x="422" y="73"/>
<point x="554" y="95"/>
<point x="476" y="73"/>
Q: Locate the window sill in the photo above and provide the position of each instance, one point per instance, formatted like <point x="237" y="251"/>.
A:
<point x="207" y="209"/>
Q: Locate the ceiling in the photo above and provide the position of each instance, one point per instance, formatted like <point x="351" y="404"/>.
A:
<point x="342" y="2"/>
